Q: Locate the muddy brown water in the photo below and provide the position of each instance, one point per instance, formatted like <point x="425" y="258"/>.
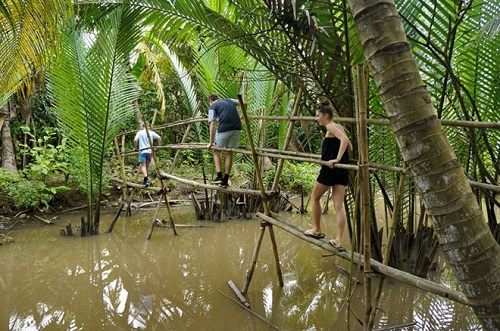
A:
<point x="122" y="281"/>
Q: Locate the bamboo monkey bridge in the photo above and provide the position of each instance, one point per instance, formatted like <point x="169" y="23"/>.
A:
<point x="270" y="219"/>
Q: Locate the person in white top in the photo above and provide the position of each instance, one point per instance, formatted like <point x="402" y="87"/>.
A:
<point x="141" y="142"/>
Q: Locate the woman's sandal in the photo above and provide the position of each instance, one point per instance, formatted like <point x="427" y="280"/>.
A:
<point x="339" y="249"/>
<point x="308" y="233"/>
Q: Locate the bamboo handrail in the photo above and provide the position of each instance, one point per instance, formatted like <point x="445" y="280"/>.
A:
<point x="459" y="123"/>
<point x="405" y="277"/>
<point x="305" y="157"/>
<point x="375" y="121"/>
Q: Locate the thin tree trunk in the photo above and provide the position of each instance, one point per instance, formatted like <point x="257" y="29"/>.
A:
<point x="463" y="234"/>
<point x="8" y="152"/>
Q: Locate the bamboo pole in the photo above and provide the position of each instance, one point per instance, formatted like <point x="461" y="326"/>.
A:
<point x="361" y="98"/>
<point x="124" y="188"/>
<point x="162" y="189"/>
<point x="444" y="122"/>
<point x="262" y="143"/>
<point x="405" y="277"/>
<point x="255" y="255"/>
<point x="276" y="256"/>
<point x="129" y="192"/>
<point x="288" y="137"/>
<point x="230" y="189"/>
<point x="177" y="153"/>
<point x="254" y="154"/>
<point x="286" y="155"/>
<point x="265" y="203"/>
<point x="250" y="311"/>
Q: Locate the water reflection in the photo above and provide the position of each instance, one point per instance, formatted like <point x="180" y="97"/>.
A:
<point x="121" y="281"/>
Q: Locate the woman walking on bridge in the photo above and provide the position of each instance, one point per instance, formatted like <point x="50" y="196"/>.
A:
<point x="335" y="149"/>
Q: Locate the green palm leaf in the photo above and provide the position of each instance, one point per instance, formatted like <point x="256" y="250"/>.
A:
<point x="93" y="94"/>
<point x="25" y="47"/>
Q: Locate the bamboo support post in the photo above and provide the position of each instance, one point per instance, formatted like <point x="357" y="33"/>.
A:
<point x="276" y="256"/>
<point x="262" y="143"/>
<point x="254" y="154"/>
<point x="113" y="222"/>
<point x="163" y="188"/>
<point x="177" y="153"/>
<point x="364" y="174"/>
<point x="122" y="165"/>
<point x="255" y="255"/>
<point x="240" y="296"/>
<point x="265" y="202"/>
<point x="288" y="137"/>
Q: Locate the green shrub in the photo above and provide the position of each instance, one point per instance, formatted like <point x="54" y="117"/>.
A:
<point x="294" y="175"/>
<point x="31" y="194"/>
<point x="46" y="160"/>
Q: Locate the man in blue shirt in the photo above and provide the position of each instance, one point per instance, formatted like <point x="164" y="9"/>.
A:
<point x="225" y="130"/>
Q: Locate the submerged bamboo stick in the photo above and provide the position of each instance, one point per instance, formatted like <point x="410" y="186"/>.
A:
<point x="405" y="277"/>
<point x="236" y="291"/>
<point x="250" y="311"/>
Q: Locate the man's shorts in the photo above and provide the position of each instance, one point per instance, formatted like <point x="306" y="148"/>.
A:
<point x="228" y="139"/>
<point x="145" y="157"/>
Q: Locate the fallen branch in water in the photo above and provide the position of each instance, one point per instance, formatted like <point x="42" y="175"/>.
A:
<point x="46" y="221"/>
<point x="249" y="310"/>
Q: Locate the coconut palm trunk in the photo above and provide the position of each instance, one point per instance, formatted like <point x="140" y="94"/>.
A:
<point x="463" y="234"/>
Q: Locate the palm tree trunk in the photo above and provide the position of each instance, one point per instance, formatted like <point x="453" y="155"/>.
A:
<point x="8" y="154"/>
<point x="463" y="234"/>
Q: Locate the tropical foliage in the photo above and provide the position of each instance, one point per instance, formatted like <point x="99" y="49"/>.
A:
<point x="93" y="95"/>
<point x="263" y="50"/>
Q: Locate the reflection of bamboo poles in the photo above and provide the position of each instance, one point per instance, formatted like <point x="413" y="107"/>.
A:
<point x="388" y="249"/>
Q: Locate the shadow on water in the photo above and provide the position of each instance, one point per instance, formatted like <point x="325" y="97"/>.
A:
<point x="121" y="281"/>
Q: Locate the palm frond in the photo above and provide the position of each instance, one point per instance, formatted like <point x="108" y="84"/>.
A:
<point x="25" y="46"/>
<point x="93" y="93"/>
